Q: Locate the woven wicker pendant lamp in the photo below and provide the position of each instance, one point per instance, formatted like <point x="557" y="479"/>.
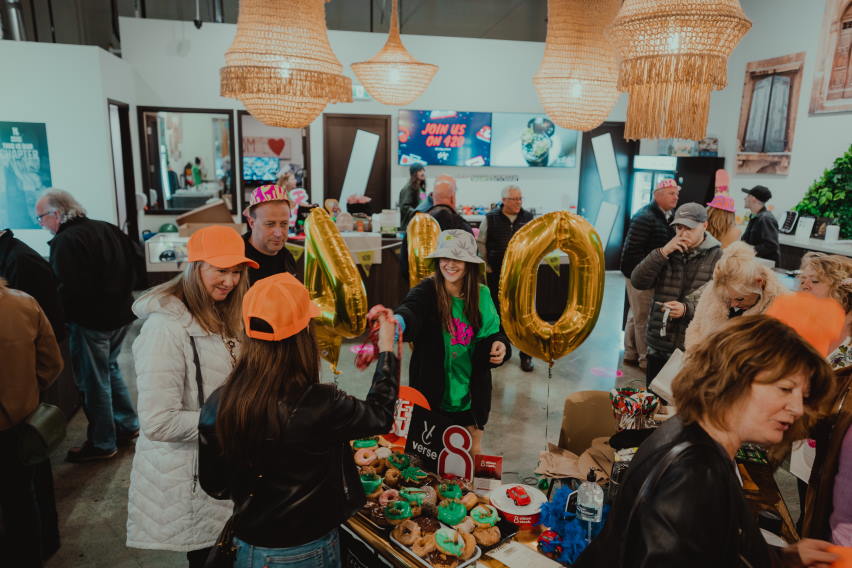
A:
<point x="280" y="64"/>
<point x="576" y="82"/>
<point x="392" y="76"/>
<point x="674" y="53"/>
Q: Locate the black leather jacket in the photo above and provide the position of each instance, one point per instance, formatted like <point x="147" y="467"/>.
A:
<point x="695" y="516"/>
<point x="306" y="483"/>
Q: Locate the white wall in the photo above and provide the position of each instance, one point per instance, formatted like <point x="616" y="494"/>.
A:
<point x="63" y="86"/>
<point x="178" y="65"/>
<point x="781" y="27"/>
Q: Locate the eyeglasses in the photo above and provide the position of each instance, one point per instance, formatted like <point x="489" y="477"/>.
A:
<point x="40" y="217"/>
<point x="513" y="199"/>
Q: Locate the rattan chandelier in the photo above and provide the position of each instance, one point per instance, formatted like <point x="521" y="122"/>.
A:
<point x="674" y="53"/>
<point x="281" y="65"/>
<point x="576" y="82"/>
<point x="393" y="76"/>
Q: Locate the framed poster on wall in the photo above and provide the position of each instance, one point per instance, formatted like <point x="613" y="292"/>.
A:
<point x="24" y="172"/>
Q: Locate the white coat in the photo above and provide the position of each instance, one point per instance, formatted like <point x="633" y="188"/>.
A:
<point x="167" y="509"/>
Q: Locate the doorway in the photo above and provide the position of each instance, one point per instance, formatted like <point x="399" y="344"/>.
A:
<point x="127" y="213"/>
<point x="606" y="168"/>
<point x="356" y="158"/>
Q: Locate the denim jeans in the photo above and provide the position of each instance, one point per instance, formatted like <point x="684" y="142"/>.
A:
<point x="323" y="552"/>
<point x="106" y="399"/>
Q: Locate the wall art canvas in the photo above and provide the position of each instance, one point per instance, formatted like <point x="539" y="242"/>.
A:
<point x="24" y="172"/>
<point x="832" y="88"/>
<point x="768" y="114"/>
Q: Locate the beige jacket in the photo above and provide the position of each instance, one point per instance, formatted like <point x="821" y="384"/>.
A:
<point x="29" y="356"/>
<point x="711" y="313"/>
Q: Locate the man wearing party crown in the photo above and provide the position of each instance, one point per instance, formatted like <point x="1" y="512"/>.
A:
<point x="268" y="216"/>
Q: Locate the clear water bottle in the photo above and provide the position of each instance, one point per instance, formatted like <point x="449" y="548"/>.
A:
<point x="590" y="499"/>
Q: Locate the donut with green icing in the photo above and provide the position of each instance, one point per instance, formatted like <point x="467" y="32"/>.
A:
<point x="451" y="512"/>
<point x="370" y="482"/>
<point x="450" y="542"/>
<point x="399" y="461"/>
<point x="484" y="515"/>
<point x="449" y="491"/>
<point x="365" y="443"/>
<point x="414" y="475"/>
<point x="414" y="495"/>
<point x="398" y="510"/>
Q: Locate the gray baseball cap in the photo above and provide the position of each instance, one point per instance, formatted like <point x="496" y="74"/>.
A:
<point x="690" y="215"/>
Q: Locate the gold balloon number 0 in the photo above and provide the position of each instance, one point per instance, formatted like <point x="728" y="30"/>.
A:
<point x="422" y="231"/>
<point x="334" y="284"/>
<point x="526" y="330"/>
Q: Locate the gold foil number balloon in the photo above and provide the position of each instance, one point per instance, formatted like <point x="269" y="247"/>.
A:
<point x="422" y="231"/>
<point x="532" y="335"/>
<point x="334" y="284"/>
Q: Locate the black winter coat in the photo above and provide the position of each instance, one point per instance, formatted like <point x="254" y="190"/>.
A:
<point x="269" y="264"/>
<point x="694" y="516"/>
<point x="305" y="484"/>
<point x="25" y="270"/>
<point x="97" y="268"/>
<point x="762" y="233"/>
<point x="648" y="230"/>
<point x="675" y="278"/>
<point x="426" y="372"/>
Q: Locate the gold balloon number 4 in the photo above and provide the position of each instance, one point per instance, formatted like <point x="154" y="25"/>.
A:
<point x="422" y="231"/>
<point x="526" y="330"/>
<point x="334" y="284"/>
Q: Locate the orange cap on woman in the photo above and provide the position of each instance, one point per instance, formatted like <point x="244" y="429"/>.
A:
<point x="277" y="307"/>
<point x="220" y="246"/>
<point x="820" y="321"/>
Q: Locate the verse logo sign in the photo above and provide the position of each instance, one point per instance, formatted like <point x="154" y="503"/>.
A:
<point x="443" y="447"/>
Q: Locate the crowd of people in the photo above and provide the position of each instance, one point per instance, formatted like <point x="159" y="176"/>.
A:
<point x="240" y="448"/>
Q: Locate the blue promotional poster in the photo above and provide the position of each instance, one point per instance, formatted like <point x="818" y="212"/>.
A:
<point x="444" y="137"/>
<point x="24" y="172"/>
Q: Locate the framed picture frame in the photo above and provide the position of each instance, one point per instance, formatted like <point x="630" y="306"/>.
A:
<point x="820" y="225"/>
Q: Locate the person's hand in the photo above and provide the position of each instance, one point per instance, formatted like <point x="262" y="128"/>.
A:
<point x="678" y="243"/>
<point x="498" y="352"/>
<point x="813" y="553"/>
<point x="387" y="329"/>
<point x="676" y="309"/>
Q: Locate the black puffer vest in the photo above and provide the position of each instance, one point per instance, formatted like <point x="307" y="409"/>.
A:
<point x="500" y="232"/>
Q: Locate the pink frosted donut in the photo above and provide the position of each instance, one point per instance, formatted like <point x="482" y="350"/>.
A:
<point x="365" y="456"/>
<point x="388" y="496"/>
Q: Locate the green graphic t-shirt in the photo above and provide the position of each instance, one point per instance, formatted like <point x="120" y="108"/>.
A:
<point x="458" y="350"/>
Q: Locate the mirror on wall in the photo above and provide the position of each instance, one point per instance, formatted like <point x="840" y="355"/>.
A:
<point x="187" y="158"/>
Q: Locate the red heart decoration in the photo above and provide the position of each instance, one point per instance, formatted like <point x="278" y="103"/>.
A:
<point x="276" y="145"/>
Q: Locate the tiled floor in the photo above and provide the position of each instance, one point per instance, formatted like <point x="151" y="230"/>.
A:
<point x="527" y="410"/>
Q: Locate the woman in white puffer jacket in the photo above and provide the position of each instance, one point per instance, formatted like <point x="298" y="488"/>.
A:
<point x="167" y="509"/>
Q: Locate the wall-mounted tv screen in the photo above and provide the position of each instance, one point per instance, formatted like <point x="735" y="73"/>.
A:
<point x="521" y="140"/>
<point x="444" y="137"/>
<point x="260" y="168"/>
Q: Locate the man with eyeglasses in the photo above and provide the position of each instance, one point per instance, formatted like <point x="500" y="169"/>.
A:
<point x="96" y="265"/>
<point x="495" y="231"/>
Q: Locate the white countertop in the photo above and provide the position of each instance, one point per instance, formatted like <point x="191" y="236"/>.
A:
<point x="831" y="247"/>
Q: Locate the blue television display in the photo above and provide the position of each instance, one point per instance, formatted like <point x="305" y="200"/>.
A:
<point x="260" y="168"/>
<point x="446" y="138"/>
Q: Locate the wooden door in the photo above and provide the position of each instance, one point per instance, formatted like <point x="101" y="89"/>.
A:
<point x="339" y="132"/>
<point x="592" y="194"/>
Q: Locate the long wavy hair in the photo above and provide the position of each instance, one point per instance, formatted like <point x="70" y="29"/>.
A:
<point x="223" y="318"/>
<point x="719" y="222"/>
<point x="470" y="295"/>
<point x="267" y="373"/>
<point x="835" y="271"/>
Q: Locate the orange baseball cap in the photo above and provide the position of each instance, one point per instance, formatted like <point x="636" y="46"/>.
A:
<point x="282" y="303"/>
<point x="220" y="246"/>
<point x="820" y="321"/>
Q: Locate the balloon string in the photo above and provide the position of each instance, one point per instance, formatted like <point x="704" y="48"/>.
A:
<point x="547" y="406"/>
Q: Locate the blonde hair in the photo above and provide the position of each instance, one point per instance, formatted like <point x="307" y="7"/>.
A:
<point x="719" y="373"/>
<point x="833" y="270"/>
<point x="223" y="318"/>
<point x="739" y="269"/>
<point x="719" y="221"/>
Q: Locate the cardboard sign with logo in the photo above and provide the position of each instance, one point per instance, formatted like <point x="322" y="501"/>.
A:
<point x="443" y="447"/>
<point x="488" y="473"/>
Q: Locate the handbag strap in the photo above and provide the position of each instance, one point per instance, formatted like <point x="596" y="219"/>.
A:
<point x="648" y="487"/>
<point x="199" y="383"/>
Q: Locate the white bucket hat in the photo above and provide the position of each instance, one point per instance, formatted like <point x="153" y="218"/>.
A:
<point x="458" y="245"/>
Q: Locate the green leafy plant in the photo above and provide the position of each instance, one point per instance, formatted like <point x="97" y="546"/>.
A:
<point x="831" y="195"/>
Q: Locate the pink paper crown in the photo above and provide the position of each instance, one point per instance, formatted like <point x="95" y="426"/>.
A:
<point x="724" y="202"/>
<point x="264" y="193"/>
<point x="668" y="182"/>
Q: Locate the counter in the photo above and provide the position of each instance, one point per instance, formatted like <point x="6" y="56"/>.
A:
<point x="793" y="249"/>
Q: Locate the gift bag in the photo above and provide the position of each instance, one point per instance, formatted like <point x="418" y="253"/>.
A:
<point x="662" y="383"/>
